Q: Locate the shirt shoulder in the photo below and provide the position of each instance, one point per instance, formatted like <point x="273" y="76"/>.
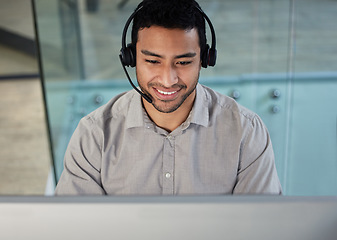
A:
<point x="219" y="104"/>
<point x="115" y="109"/>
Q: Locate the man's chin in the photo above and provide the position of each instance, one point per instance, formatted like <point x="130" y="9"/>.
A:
<point x="166" y="109"/>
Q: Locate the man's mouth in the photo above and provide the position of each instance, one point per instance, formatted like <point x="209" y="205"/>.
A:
<point x="166" y="93"/>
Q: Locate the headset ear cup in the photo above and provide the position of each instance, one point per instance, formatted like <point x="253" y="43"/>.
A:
<point x="123" y="57"/>
<point x="132" y="54"/>
<point x="212" y="54"/>
<point x="204" y="57"/>
<point x="128" y="56"/>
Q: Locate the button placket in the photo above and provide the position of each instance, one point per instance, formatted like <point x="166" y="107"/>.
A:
<point x="168" y="165"/>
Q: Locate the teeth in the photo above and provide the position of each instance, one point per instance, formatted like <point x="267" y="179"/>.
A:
<point x="166" y="93"/>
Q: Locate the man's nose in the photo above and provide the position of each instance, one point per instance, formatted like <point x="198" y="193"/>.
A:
<point x="169" y="76"/>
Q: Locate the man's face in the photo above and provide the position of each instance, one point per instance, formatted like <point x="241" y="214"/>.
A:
<point x="168" y="66"/>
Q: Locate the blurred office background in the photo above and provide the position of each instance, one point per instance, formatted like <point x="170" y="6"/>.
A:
<point x="276" y="57"/>
<point x="24" y="149"/>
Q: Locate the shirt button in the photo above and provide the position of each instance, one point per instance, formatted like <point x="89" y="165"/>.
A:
<point x="168" y="175"/>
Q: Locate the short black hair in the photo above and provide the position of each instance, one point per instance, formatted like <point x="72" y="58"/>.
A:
<point x="181" y="14"/>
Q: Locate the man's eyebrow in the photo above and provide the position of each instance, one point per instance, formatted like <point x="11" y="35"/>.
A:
<point x="185" y="55"/>
<point x="148" y="53"/>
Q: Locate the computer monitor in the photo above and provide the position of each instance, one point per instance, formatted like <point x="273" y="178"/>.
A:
<point x="169" y="218"/>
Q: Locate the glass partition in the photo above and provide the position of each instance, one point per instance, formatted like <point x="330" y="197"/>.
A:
<point x="312" y="157"/>
<point x="277" y="58"/>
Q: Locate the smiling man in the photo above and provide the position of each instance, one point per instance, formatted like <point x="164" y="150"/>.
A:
<point x="177" y="137"/>
<point x="168" y="66"/>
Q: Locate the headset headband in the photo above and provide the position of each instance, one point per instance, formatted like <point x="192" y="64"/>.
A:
<point x="127" y="24"/>
<point x="127" y="54"/>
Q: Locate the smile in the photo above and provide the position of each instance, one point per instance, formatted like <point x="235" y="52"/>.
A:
<point x="166" y="93"/>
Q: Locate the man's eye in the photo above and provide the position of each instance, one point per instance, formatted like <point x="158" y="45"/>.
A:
<point x="183" y="63"/>
<point x="152" y="61"/>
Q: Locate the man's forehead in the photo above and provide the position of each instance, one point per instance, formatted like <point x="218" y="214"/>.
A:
<point x="160" y="30"/>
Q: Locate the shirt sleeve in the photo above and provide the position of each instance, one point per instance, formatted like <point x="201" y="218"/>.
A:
<point x="82" y="162"/>
<point x="257" y="172"/>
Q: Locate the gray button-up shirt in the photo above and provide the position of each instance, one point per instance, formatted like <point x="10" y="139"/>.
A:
<point x="221" y="148"/>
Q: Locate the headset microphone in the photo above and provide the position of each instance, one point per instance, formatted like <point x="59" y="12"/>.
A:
<point x="147" y="98"/>
<point x="126" y="56"/>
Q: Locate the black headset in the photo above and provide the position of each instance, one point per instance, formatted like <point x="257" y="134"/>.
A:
<point x="128" y="52"/>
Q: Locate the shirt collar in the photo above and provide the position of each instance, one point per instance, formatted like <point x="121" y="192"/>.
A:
<point x="135" y="113"/>
<point x="199" y="114"/>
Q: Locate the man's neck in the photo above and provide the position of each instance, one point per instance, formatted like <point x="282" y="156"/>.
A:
<point x="170" y="121"/>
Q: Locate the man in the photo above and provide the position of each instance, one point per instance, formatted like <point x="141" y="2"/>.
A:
<point x="185" y="139"/>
